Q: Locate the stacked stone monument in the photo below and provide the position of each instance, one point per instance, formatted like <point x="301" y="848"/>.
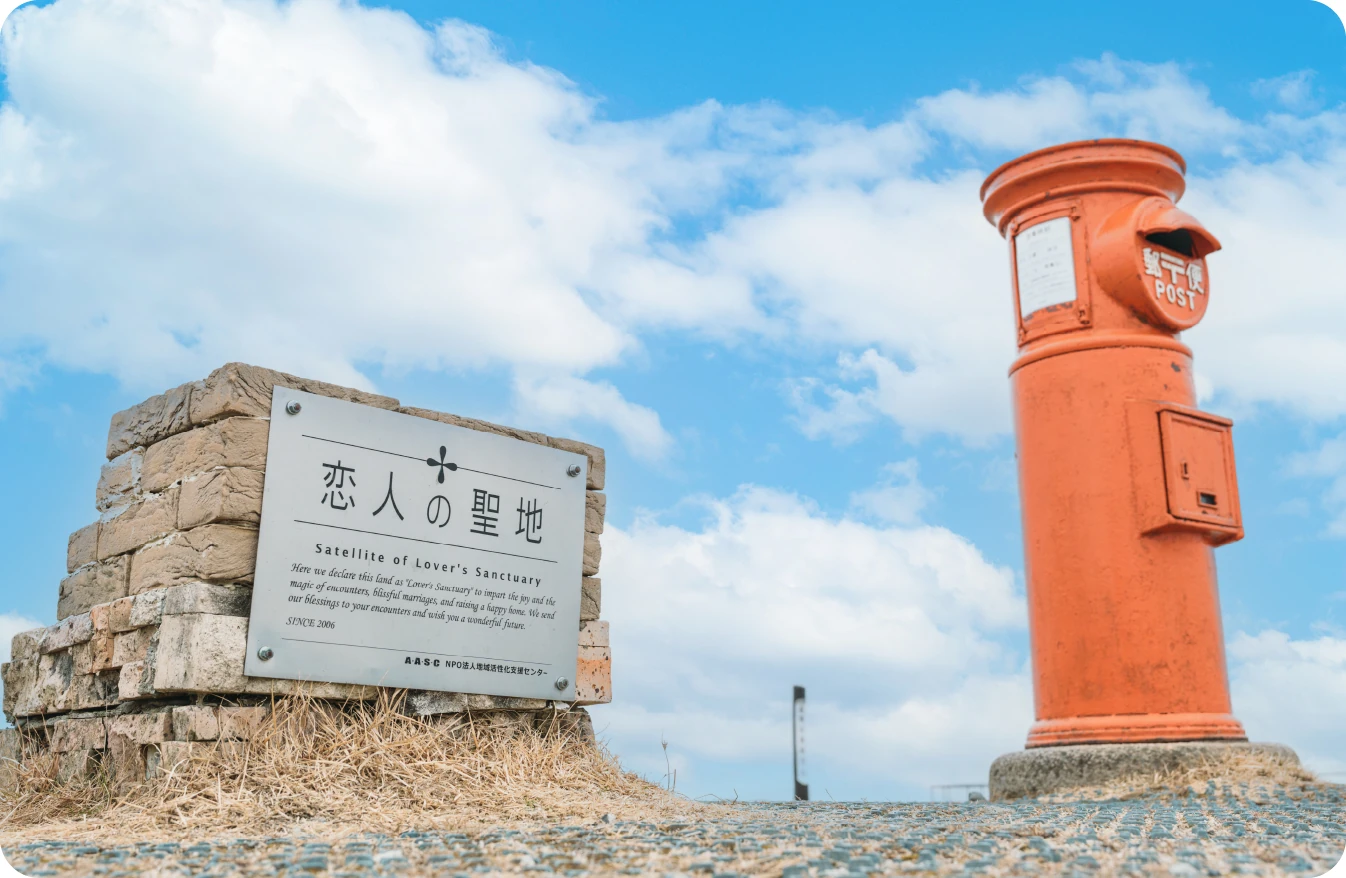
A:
<point x="146" y="658"/>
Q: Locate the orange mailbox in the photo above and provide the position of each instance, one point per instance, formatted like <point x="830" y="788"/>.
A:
<point x="1125" y="486"/>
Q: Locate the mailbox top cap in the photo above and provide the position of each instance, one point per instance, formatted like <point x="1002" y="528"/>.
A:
<point x="1070" y="169"/>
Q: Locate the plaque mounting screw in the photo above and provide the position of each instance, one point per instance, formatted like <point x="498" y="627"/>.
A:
<point x="573" y="470"/>
<point x="265" y="653"/>
<point x="293" y="407"/>
<point x="562" y="683"/>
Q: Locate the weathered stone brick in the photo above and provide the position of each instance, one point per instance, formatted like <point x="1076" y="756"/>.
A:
<point x="168" y="757"/>
<point x="142" y="728"/>
<point x="152" y="420"/>
<point x="101" y="650"/>
<point x="597" y="460"/>
<point x="151" y="519"/>
<point x="203" y="597"/>
<point x="593" y="675"/>
<point x="136" y="680"/>
<point x="131" y="646"/>
<point x="435" y="703"/>
<point x="82" y="548"/>
<point x="198" y="722"/>
<point x="67" y="734"/>
<point x="117" y="614"/>
<point x="237" y="389"/>
<point x="229" y="494"/>
<point x="577" y="723"/>
<point x="593" y="554"/>
<point x="93" y="584"/>
<point x="200" y="653"/>
<point x="214" y="552"/>
<point x="20" y="681"/>
<point x="119" y="482"/>
<point x="55" y="671"/>
<point x="88" y="691"/>
<point x="77" y="765"/>
<point x="81" y="657"/>
<point x="25" y="645"/>
<point x="595" y="509"/>
<point x="240" y="723"/>
<point x="591" y="598"/>
<point x="233" y="442"/>
<point x="66" y="633"/>
<point x="147" y="608"/>
<point x="335" y="691"/>
<point x="126" y="758"/>
<point x="594" y="634"/>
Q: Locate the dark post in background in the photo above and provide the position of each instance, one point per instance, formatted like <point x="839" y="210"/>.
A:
<point x="801" y="778"/>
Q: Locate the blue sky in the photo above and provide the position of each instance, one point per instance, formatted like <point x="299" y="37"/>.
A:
<point x="740" y="248"/>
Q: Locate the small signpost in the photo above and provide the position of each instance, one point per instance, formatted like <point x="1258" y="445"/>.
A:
<point x="801" y="777"/>
<point x="400" y="551"/>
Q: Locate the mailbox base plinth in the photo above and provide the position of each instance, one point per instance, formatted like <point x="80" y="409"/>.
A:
<point x="1045" y="770"/>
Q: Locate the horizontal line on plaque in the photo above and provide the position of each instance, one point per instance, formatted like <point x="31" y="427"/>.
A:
<point x="375" y="533"/>
<point x="481" y="472"/>
<point x="487" y="658"/>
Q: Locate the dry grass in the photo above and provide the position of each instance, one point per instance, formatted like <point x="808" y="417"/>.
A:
<point x="341" y="768"/>
<point x="1252" y="773"/>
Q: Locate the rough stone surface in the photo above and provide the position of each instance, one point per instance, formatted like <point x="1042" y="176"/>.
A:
<point x="66" y="633"/>
<point x="119" y="482"/>
<point x="474" y="424"/>
<point x="20" y="679"/>
<point x="200" y="653"/>
<point x="233" y="442"/>
<point x="131" y="646"/>
<point x="593" y="554"/>
<point x="232" y="494"/>
<point x="594" y="634"/>
<point x="148" y="422"/>
<point x="82" y="548"/>
<point x="593" y="675"/>
<point x="135" y="681"/>
<point x="591" y="598"/>
<point x="237" y="389"/>
<point x="147" y="608"/>
<point x="1044" y="770"/>
<point x="77" y="734"/>
<point x="142" y="728"/>
<point x="151" y="519"/>
<point x="76" y="765"/>
<point x="203" y="597"/>
<point x="238" y="723"/>
<point x="25" y="645"/>
<point x="117" y="615"/>
<point x="93" y="584"/>
<point x="434" y="703"/>
<point x="167" y="757"/>
<point x="215" y="552"/>
<point x="595" y="509"/>
<point x="195" y="723"/>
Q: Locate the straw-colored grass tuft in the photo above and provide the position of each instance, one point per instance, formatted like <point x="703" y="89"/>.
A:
<point x="346" y="767"/>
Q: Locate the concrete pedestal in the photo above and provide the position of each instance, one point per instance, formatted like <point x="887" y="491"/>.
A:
<point x="1045" y="770"/>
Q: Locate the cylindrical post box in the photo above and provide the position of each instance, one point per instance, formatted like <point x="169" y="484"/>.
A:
<point x="1125" y="486"/>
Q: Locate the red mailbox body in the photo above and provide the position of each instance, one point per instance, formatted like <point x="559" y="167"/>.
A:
<point x="1125" y="486"/>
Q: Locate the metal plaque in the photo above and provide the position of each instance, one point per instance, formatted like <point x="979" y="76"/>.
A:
<point x="1044" y="264"/>
<point x="399" y="551"/>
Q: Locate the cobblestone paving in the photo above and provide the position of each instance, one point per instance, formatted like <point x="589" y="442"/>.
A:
<point x="1209" y="835"/>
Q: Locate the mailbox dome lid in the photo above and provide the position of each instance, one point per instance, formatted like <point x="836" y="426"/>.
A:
<point x="1070" y="169"/>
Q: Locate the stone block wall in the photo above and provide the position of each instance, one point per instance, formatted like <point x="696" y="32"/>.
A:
<point x="154" y="610"/>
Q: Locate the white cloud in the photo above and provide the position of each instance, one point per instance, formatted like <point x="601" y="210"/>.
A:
<point x="324" y="187"/>
<point x="899" y="499"/>
<point x="1292" y="692"/>
<point x="893" y="628"/>
<point x="11" y="624"/>
<point x="1294" y="91"/>
<point x="561" y="398"/>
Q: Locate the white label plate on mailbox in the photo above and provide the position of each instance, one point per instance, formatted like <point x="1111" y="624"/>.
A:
<point x="399" y="551"/>
<point x="1044" y="264"/>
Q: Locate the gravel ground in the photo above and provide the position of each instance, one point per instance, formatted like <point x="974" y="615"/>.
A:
<point x="1256" y="833"/>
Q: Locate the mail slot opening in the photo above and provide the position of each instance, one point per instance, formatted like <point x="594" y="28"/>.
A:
<point x="1206" y="499"/>
<point x="1179" y="240"/>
